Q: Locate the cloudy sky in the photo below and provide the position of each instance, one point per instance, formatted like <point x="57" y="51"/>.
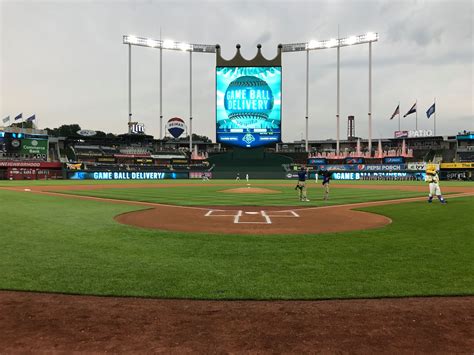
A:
<point x="65" y="61"/>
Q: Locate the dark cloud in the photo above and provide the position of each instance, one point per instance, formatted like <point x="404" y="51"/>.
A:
<point x="65" y="61"/>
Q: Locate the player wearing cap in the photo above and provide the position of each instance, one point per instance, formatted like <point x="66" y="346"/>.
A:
<point x="326" y="179"/>
<point x="301" y="185"/>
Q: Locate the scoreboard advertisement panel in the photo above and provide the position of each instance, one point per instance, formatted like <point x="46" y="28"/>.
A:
<point x="248" y="105"/>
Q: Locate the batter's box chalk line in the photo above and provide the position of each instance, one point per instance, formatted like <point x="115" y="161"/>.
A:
<point x="239" y="215"/>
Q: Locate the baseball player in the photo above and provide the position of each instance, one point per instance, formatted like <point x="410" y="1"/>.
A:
<point x="301" y="185"/>
<point x="326" y="179"/>
<point x="433" y="179"/>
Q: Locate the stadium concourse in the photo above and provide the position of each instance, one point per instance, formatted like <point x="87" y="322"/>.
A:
<point x="34" y="154"/>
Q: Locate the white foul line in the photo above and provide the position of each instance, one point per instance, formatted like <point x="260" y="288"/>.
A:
<point x="267" y="218"/>
<point x="237" y="216"/>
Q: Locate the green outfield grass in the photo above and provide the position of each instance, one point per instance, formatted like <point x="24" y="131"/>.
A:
<point x="6" y="183"/>
<point x="212" y="195"/>
<point x="57" y="244"/>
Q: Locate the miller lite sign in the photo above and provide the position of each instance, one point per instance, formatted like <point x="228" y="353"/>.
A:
<point x="137" y="128"/>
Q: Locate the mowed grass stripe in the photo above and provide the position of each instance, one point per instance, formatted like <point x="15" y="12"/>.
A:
<point x="75" y="246"/>
<point x="192" y="182"/>
<point x="213" y="195"/>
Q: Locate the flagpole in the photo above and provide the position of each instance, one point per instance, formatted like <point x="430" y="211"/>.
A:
<point x="434" y="121"/>
<point x="416" y="115"/>
<point x="399" y="115"/>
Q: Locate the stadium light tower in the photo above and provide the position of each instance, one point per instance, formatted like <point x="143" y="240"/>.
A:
<point x="131" y="40"/>
<point x="367" y="38"/>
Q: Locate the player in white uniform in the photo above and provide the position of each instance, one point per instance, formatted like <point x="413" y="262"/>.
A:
<point x="433" y="179"/>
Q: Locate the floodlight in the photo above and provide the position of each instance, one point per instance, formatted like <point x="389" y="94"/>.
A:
<point x="331" y="43"/>
<point x="184" y="46"/>
<point x="151" y="43"/>
<point x="169" y="44"/>
<point x="351" y="40"/>
<point x="314" y="44"/>
<point x="370" y="36"/>
<point x="132" y="39"/>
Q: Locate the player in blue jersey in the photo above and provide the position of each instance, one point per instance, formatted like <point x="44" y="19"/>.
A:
<point x="301" y="185"/>
<point x="326" y="179"/>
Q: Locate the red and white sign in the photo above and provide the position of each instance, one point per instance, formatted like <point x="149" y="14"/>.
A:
<point x="401" y="134"/>
<point x="30" y="164"/>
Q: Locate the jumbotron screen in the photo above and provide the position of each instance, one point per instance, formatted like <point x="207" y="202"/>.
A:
<point x="248" y="105"/>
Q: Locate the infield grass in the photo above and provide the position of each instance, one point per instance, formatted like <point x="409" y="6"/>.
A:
<point x="57" y="244"/>
<point x="215" y="195"/>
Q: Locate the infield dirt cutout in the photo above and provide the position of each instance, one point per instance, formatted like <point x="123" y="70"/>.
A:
<point x="247" y="219"/>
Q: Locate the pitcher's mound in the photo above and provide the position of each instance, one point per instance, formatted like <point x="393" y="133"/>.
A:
<point x="250" y="190"/>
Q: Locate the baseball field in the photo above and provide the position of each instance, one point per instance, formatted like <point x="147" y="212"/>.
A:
<point x="375" y="261"/>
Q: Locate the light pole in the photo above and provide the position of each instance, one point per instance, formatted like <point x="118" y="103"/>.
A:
<point x="307" y="99"/>
<point x="370" y="99"/>
<point x="129" y="88"/>
<point x="190" y="102"/>
<point x="331" y="43"/>
<point x="168" y="45"/>
<point x="338" y="123"/>
<point x="161" y="93"/>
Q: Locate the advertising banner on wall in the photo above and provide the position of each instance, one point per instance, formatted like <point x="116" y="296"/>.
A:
<point x="125" y="175"/>
<point x="34" y="146"/>
<point x="401" y="134"/>
<point x="248" y="105"/>
<point x="30" y="164"/>
<point x="200" y="175"/>
<point x="348" y="175"/>
<point x="393" y="160"/>
<point x="420" y="166"/>
<point x="364" y="167"/>
<point x="317" y="161"/>
<point x="376" y="175"/>
<point x="457" y="165"/>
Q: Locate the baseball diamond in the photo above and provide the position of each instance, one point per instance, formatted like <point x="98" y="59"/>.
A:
<point x="159" y="195"/>
<point x="174" y="216"/>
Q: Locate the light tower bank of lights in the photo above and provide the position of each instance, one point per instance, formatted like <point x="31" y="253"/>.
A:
<point x="249" y="92"/>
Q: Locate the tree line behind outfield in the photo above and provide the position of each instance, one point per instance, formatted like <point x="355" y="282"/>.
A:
<point x="70" y="130"/>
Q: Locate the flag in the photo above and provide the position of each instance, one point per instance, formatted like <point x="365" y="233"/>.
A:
<point x="430" y="111"/>
<point x="397" y="111"/>
<point x="6" y="119"/>
<point x="31" y="118"/>
<point x="19" y="117"/>
<point x="412" y="110"/>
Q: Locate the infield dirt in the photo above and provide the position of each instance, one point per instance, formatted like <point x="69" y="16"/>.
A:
<point x="34" y="322"/>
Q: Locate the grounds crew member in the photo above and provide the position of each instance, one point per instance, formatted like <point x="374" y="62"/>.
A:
<point x="326" y="179"/>
<point x="433" y="179"/>
<point x="301" y="185"/>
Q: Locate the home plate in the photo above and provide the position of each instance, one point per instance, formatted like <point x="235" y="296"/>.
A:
<point x="251" y="212"/>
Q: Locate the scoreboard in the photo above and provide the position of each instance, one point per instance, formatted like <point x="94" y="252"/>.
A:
<point x="31" y="145"/>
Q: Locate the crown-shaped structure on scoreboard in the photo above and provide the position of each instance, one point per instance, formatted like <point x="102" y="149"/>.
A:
<point x="258" y="61"/>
